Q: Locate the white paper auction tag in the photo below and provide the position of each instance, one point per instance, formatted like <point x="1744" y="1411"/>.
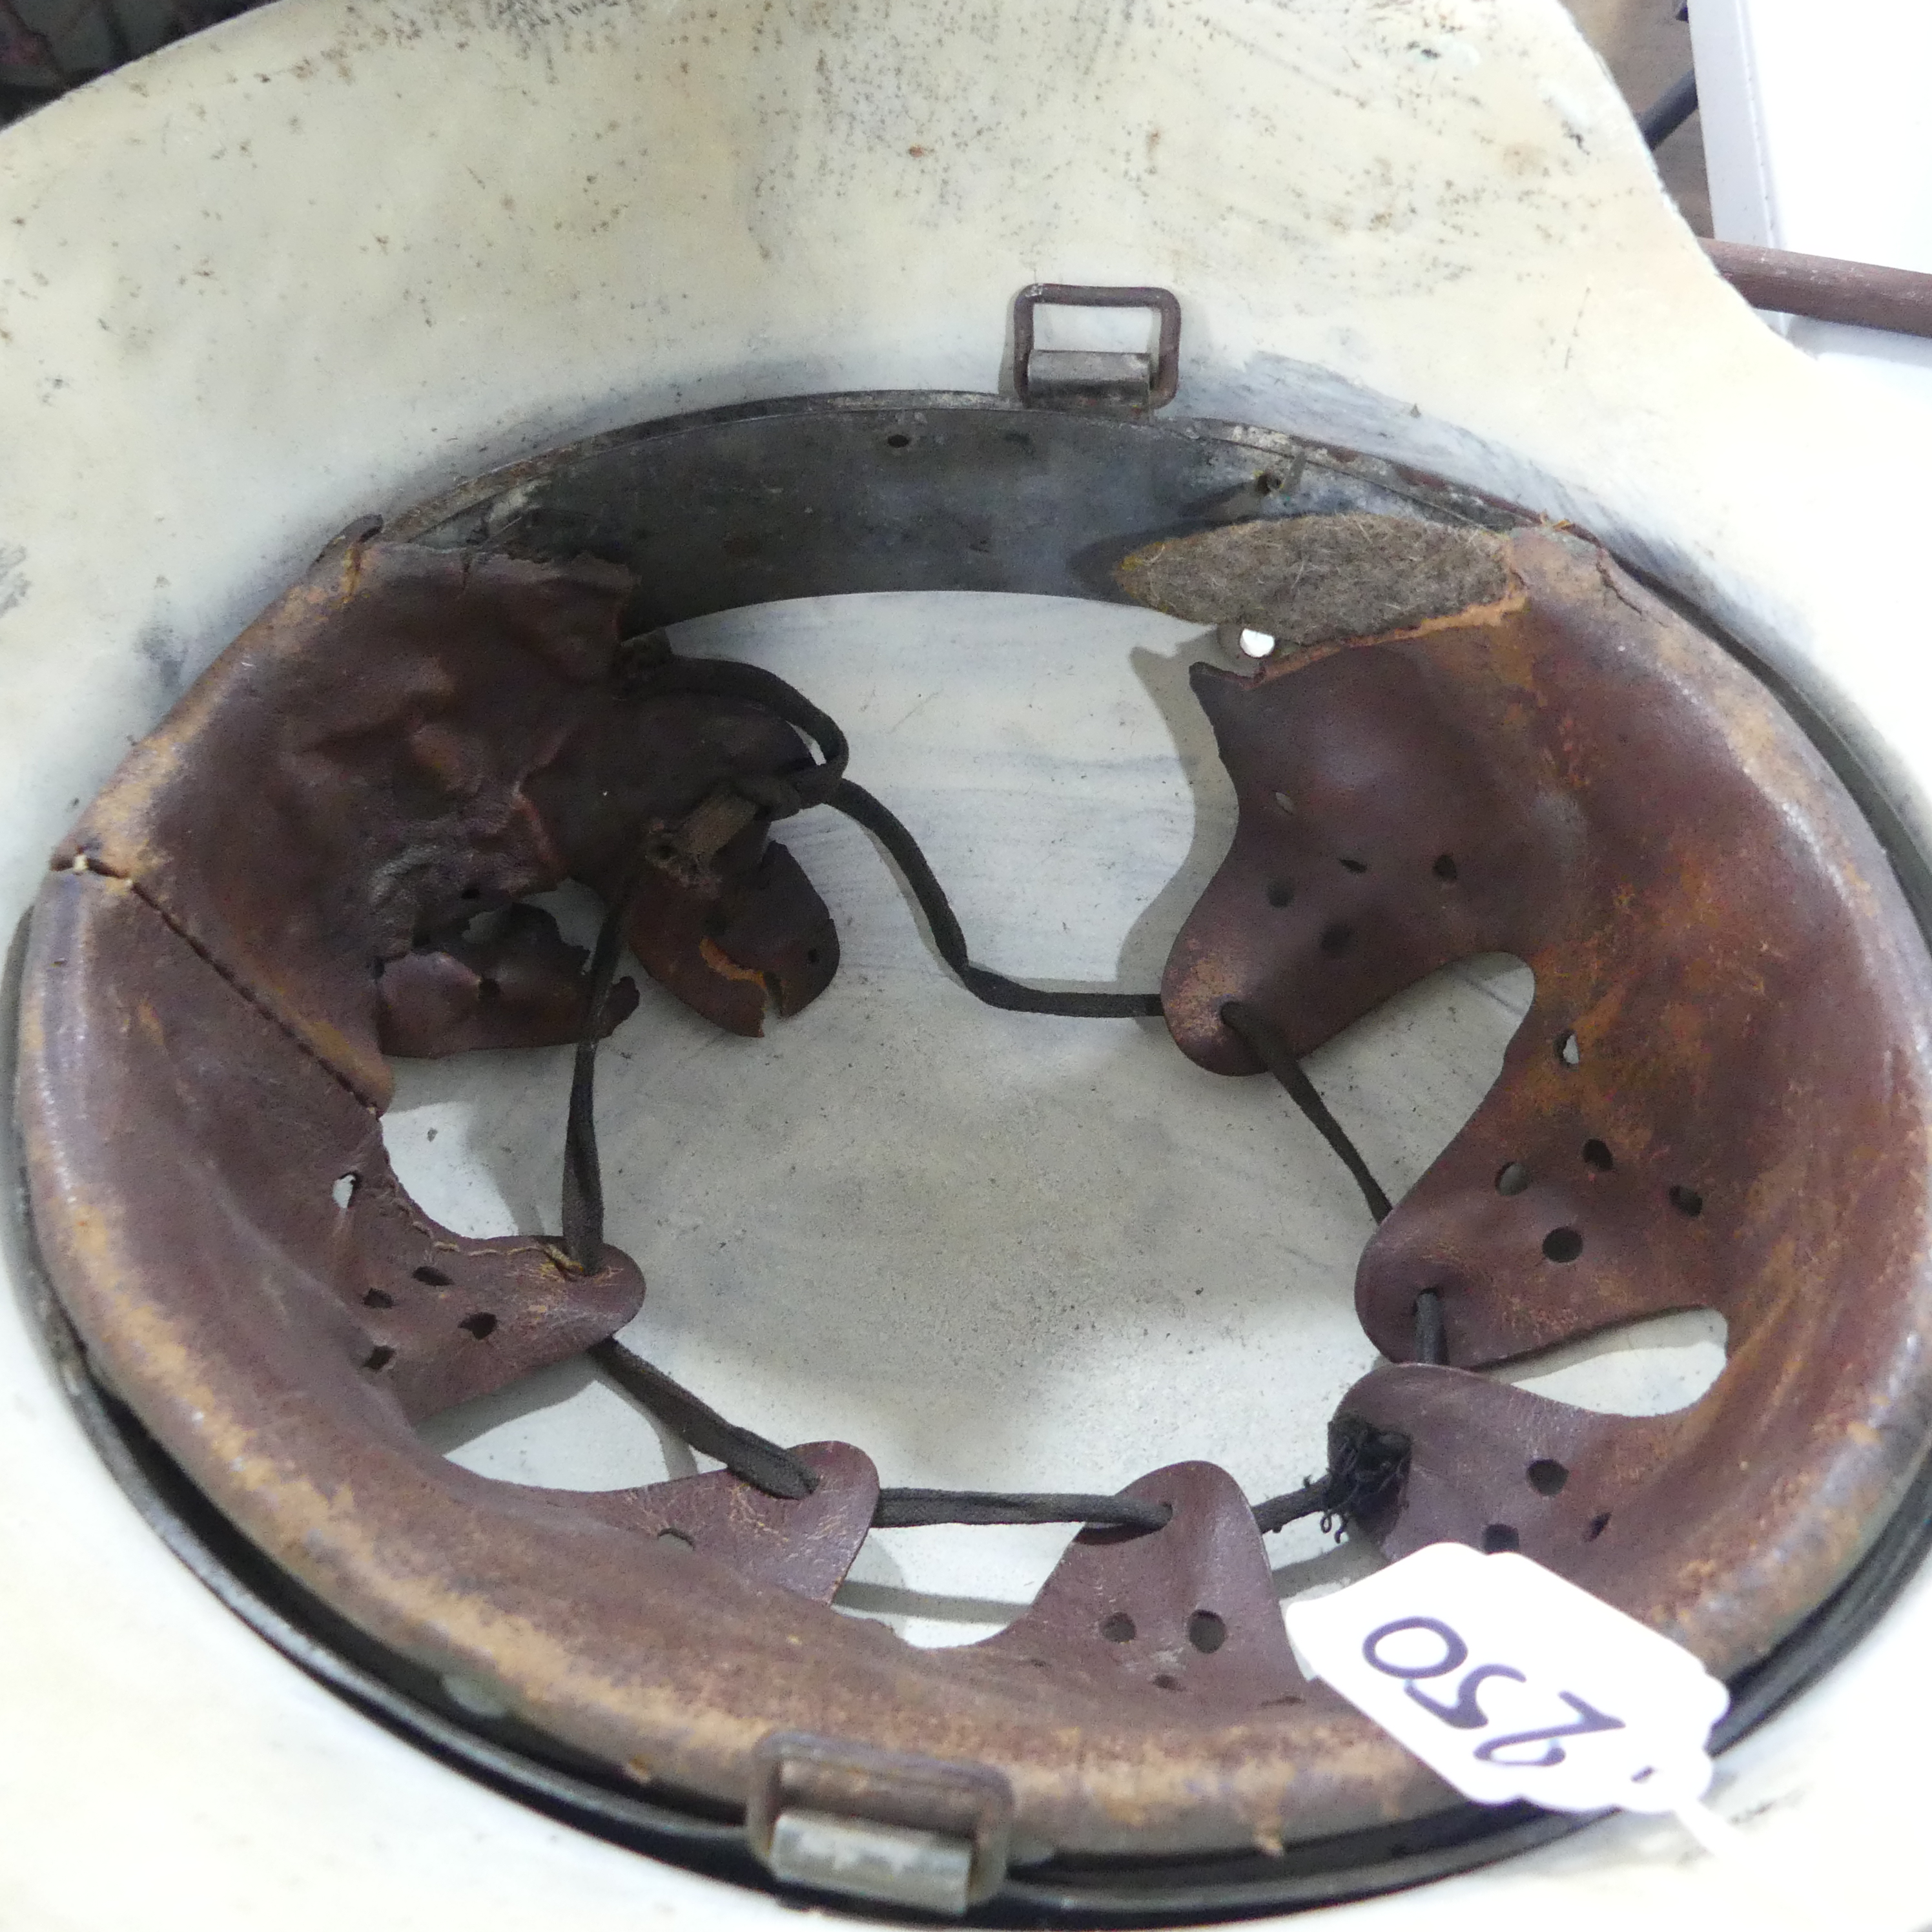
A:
<point x="1510" y="1683"/>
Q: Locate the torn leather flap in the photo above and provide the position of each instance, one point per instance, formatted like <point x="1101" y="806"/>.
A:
<point x="422" y="736"/>
<point x="517" y="983"/>
<point x="351" y="774"/>
<point x="719" y="913"/>
<point x="740" y="936"/>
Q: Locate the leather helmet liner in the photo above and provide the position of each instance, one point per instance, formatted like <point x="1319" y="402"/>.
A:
<point x="1481" y="734"/>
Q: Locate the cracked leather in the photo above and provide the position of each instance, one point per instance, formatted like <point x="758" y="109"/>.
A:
<point x="1571" y="772"/>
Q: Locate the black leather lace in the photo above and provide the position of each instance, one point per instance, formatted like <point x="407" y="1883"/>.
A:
<point x="1367" y="1464"/>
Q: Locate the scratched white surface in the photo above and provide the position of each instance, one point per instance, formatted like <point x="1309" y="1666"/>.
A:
<point x="333" y="257"/>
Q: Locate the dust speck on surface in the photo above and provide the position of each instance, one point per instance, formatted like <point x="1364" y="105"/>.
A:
<point x="165" y="654"/>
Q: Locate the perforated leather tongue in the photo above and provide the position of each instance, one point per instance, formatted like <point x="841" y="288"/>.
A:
<point x="1703" y="1107"/>
<point x="1187" y="1611"/>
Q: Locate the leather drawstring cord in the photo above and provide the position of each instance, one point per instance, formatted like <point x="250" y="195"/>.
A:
<point x="747" y="1455"/>
<point x="582" y="1203"/>
<point x="650" y="671"/>
<point x="1252" y="1030"/>
<point x="1365" y="1464"/>
<point x="1366" y="1468"/>
<point x="994" y="988"/>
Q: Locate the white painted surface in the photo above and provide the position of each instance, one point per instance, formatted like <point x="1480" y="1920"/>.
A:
<point x="333" y="257"/>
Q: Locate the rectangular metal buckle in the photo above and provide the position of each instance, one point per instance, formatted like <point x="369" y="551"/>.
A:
<point x="875" y="1824"/>
<point x="1094" y="378"/>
